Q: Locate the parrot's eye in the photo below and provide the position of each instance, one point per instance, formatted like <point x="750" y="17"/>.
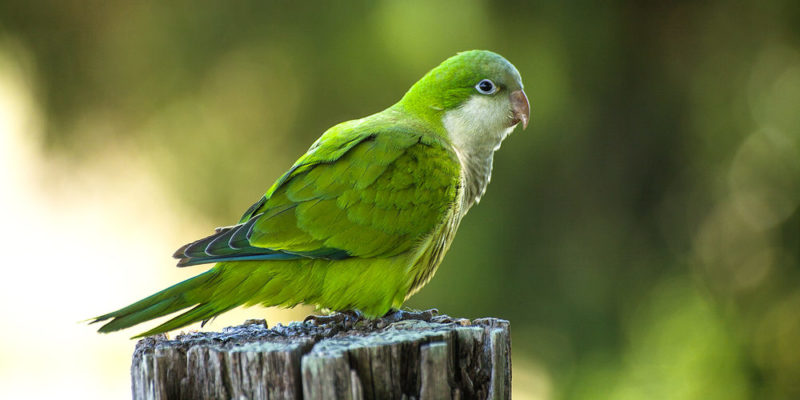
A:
<point x="486" y="87"/>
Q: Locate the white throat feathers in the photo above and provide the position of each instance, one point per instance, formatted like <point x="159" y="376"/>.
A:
<point x="477" y="129"/>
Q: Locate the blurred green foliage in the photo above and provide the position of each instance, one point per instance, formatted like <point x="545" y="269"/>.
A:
<point x="643" y="235"/>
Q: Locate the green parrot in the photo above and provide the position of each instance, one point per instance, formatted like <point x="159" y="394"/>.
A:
<point x="363" y="219"/>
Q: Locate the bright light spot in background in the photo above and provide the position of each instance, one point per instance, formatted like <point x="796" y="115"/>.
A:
<point x="733" y="256"/>
<point x="735" y="245"/>
<point x="66" y="233"/>
<point x="530" y="380"/>
<point x="765" y="179"/>
<point x="81" y="238"/>
<point x="765" y="173"/>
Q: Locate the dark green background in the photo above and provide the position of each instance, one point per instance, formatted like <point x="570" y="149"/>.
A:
<point x="642" y="235"/>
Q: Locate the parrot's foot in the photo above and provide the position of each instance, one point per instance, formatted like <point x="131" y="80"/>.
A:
<point x="400" y="315"/>
<point x="349" y="317"/>
<point x="262" y="322"/>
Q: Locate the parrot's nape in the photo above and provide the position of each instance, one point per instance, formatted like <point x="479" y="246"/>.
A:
<point x="363" y="219"/>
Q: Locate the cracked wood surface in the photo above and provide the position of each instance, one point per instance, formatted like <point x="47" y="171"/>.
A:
<point x="436" y="357"/>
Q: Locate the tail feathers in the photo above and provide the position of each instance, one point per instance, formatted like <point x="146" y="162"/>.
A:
<point x="174" y="298"/>
<point x="202" y="312"/>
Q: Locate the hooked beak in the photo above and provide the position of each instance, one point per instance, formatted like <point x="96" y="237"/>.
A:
<point x="520" y="107"/>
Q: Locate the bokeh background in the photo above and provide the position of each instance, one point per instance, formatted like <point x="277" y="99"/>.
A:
<point x="642" y="236"/>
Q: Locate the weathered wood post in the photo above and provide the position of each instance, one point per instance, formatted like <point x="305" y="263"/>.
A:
<point x="431" y="358"/>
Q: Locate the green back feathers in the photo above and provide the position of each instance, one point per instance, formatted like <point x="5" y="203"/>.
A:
<point x="376" y="199"/>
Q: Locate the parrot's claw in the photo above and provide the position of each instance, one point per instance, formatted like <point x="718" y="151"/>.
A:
<point x="262" y="322"/>
<point x="400" y="315"/>
<point x="205" y="321"/>
<point x="347" y="317"/>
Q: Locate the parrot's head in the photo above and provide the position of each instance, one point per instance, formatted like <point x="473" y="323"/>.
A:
<point x="476" y="95"/>
<point x="475" y="99"/>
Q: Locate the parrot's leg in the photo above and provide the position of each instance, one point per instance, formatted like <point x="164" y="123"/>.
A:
<point x="400" y="315"/>
<point x="349" y="316"/>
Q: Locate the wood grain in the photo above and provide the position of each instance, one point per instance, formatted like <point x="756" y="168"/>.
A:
<point x="435" y="357"/>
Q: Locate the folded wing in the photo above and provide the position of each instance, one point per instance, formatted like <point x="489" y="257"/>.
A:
<point x="367" y="192"/>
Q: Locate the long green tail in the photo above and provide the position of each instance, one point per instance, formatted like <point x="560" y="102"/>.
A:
<point x="370" y="286"/>
<point x="196" y="291"/>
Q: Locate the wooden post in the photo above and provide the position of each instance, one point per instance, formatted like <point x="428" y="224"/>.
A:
<point x="433" y="358"/>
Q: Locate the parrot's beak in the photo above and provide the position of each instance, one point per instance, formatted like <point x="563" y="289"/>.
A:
<point x="520" y="108"/>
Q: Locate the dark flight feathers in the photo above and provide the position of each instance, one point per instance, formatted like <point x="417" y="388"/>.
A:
<point x="232" y="243"/>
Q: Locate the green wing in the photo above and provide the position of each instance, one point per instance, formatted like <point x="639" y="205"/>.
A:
<point x="360" y="191"/>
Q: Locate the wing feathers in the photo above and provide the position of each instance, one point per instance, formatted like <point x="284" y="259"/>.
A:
<point x="351" y="195"/>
